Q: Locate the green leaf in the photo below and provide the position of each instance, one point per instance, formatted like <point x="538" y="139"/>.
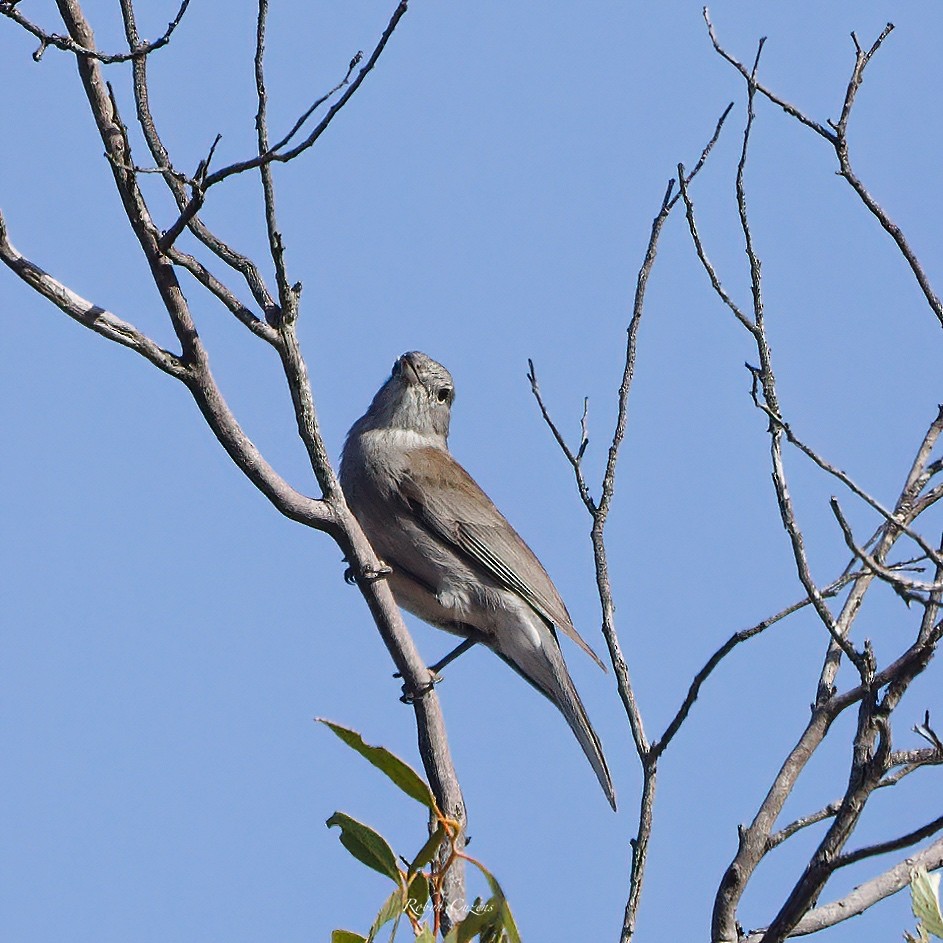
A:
<point x="417" y="895"/>
<point x="507" y="921"/>
<point x="925" y="900"/>
<point x="391" y="909"/>
<point x="366" y="845"/>
<point x="469" y="928"/>
<point x="347" y="936"/>
<point x="396" y="770"/>
<point x="504" y="918"/>
<point x="479" y="919"/>
<point x="428" y="850"/>
<point x="425" y="936"/>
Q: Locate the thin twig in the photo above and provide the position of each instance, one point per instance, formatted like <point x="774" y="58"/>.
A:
<point x="892" y="518"/>
<point x="575" y="460"/>
<point x="212" y="284"/>
<point x="894" y="844"/>
<point x="603" y="584"/>
<point x="276" y="153"/>
<point x="864" y="896"/>
<point x="764" y="375"/>
<point x="909" y="762"/>
<point x="226" y="253"/>
<point x="68" y="44"/>
<point x="659" y="746"/>
<point x="837" y="137"/>
<point x="708" y="266"/>
<point x="813" y="818"/>
<point x="908" y="589"/>
<point x="640" y="849"/>
<point x="287" y="298"/>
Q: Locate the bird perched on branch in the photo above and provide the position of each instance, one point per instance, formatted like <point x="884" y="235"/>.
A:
<point x="456" y="562"/>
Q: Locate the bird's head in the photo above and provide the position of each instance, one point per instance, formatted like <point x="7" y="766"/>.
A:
<point x="417" y="397"/>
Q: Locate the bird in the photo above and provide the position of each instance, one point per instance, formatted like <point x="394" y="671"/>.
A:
<point x="454" y="560"/>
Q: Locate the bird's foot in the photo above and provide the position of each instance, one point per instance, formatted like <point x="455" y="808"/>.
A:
<point x="410" y="694"/>
<point x="368" y="574"/>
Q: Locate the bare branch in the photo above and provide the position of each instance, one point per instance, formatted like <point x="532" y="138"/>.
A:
<point x="906" y="588"/>
<point x="891" y="518"/>
<point x="905" y="509"/>
<point x="765" y="376"/>
<point x="86" y="312"/>
<point x="894" y="844"/>
<point x="113" y="134"/>
<point x="276" y="153"/>
<point x="212" y="284"/>
<point x="813" y="818"/>
<point x="705" y="261"/>
<point x="840" y="143"/>
<point x="862" y="59"/>
<point x="287" y="299"/>
<point x="640" y="850"/>
<point x="928" y="733"/>
<point x="838" y="139"/>
<point x="574" y="460"/>
<point x="872" y="758"/>
<point x="909" y="762"/>
<point x="659" y="746"/>
<point x="776" y="100"/>
<point x="864" y="896"/>
<point x="138" y="51"/>
<point x="604" y="587"/>
<point x="235" y="260"/>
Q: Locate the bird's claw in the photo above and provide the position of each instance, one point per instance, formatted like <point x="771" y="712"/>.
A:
<point x="410" y="694"/>
<point x="369" y="574"/>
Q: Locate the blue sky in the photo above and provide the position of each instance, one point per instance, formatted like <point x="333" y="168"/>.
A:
<point x="486" y="197"/>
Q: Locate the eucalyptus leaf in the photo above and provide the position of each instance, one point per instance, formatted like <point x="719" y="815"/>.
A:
<point x="417" y="895"/>
<point x="347" y="936"/>
<point x="925" y="900"/>
<point x="366" y="845"/>
<point x="499" y="901"/>
<point x="428" y="850"/>
<point x="391" y="909"/>
<point x="402" y="774"/>
<point x="482" y="918"/>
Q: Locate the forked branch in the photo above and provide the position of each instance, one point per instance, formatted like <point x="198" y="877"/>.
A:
<point x="328" y="513"/>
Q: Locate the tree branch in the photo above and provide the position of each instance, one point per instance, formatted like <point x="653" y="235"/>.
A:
<point x="233" y="259"/>
<point x="138" y="51"/>
<point x="837" y="137"/>
<point x="894" y="844"/>
<point x="599" y="513"/>
<point x="329" y="514"/>
<point x="659" y="746"/>
<point x="864" y="896"/>
<point x="276" y="153"/>
<point x="86" y="312"/>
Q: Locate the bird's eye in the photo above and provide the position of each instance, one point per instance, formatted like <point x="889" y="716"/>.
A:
<point x="443" y="394"/>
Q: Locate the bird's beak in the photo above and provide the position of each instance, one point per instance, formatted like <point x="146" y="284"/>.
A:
<point x="407" y="369"/>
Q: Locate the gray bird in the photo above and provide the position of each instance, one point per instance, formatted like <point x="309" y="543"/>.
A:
<point x="456" y="562"/>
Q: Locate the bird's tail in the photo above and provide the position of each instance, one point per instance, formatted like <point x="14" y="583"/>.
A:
<point x="546" y="670"/>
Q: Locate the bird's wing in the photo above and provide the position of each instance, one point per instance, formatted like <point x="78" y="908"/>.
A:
<point x="449" y="503"/>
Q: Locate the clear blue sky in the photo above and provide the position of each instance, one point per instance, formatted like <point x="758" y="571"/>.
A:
<point x="486" y="198"/>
